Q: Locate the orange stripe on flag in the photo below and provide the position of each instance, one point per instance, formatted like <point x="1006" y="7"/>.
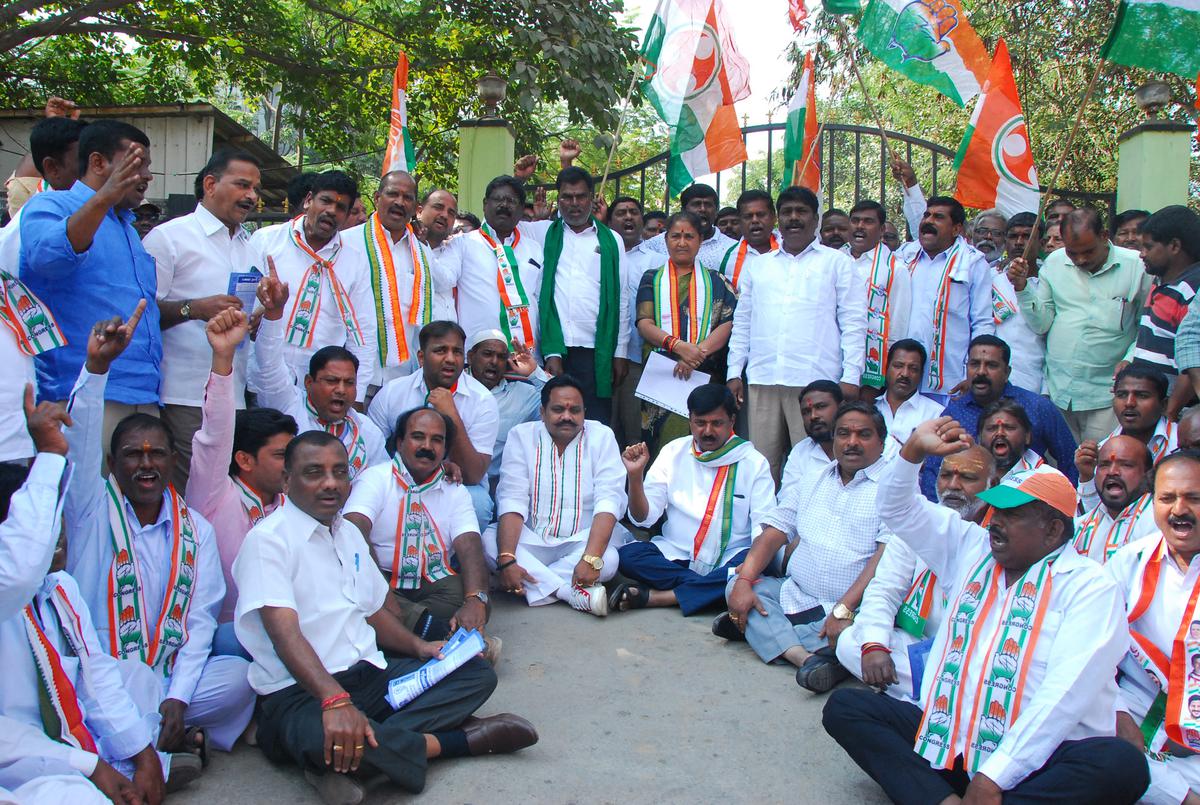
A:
<point x="723" y="140"/>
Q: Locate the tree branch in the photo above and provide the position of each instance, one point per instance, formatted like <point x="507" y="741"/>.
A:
<point x="55" y="24"/>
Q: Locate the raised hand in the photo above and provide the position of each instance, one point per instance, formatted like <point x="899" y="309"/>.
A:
<point x="568" y="152"/>
<point x="126" y="175"/>
<point x="1087" y="456"/>
<point x="225" y="332"/>
<point x="902" y="172"/>
<point x="1018" y="273"/>
<point x="45" y="423"/>
<point x="635" y="457"/>
<point x="61" y="107"/>
<point x="936" y="437"/>
<point x="525" y="167"/>
<point x="541" y="210"/>
<point x="600" y="208"/>
<point x="109" y="339"/>
<point x="272" y="293"/>
<point x="521" y="361"/>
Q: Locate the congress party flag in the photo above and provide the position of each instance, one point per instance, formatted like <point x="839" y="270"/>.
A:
<point x="694" y="74"/>
<point x="399" y="153"/>
<point x="801" y="134"/>
<point x="798" y="14"/>
<point x="1160" y="35"/>
<point x="995" y="161"/>
<point x="928" y="41"/>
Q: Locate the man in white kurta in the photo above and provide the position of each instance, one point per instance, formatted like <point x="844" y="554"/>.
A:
<point x="819" y="402"/>
<point x="902" y="404"/>
<point x="888" y="291"/>
<point x="715" y="489"/>
<point x="905" y="602"/>
<point x="1123" y="512"/>
<point x="561" y="492"/>
<point x="330" y="299"/>
<point x="153" y="581"/>
<point x="403" y="281"/>
<point x="1159" y="703"/>
<point x="1019" y="685"/>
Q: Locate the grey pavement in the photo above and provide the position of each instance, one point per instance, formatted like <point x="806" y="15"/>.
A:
<point x="638" y="707"/>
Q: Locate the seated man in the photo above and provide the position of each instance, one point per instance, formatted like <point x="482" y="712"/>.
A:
<point x="1139" y="403"/>
<point x="146" y="564"/>
<point x="902" y="405"/>
<point x="315" y="614"/>
<point x="715" y="489"/>
<point x="904" y="604"/>
<point x="819" y="402"/>
<point x="441" y="384"/>
<point x="1124" y="513"/>
<point x="418" y="524"/>
<point x="1005" y="431"/>
<point x="237" y="463"/>
<point x="1188" y="431"/>
<point x="839" y="537"/>
<point x="988" y="371"/>
<point x="561" y="492"/>
<point x="1019" y="688"/>
<point x="326" y="402"/>
<point x="1157" y="576"/>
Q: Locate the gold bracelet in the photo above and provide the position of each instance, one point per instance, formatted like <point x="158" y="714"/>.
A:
<point x="506" y="553"/>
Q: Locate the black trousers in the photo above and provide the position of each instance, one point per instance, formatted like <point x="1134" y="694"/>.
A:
<point x="290" y="728"/>
<point x="878" y="733"/>
<point x="580" y="363"/>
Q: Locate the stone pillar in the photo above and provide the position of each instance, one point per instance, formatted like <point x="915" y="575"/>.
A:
<point x="486" y="149"/>
<point x="1153" y="163"/>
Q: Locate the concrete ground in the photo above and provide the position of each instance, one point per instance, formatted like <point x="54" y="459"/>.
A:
<point x="638" y="707"/>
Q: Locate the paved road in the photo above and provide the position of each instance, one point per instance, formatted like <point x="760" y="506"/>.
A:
<point x="635" y="708"/>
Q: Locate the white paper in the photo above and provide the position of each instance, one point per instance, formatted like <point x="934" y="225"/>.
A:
<point x="459" y="649"/>
<point x="660" y="386"/>
<point x="244" y="285"/>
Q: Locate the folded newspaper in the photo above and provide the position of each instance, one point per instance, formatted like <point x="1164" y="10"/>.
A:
<point x="461" y="647"/>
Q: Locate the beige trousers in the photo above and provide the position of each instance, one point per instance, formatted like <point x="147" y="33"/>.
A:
<point x="1095" y="424"/>
<point x="775" y="423"/>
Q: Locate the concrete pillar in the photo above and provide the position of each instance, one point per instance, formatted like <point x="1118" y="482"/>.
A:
<point x="1153" y="162"/>
<point x="486" y="149"/>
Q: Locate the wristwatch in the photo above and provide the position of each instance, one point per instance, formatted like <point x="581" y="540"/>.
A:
<point x="185" y="310"/>
<point x="596" y="562"/>
<point x="843" y="612"/>
<point x="482" y="596"/>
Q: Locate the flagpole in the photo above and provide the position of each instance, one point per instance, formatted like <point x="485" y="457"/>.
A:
<point x="617" y="135"/>
<point x="798" y="168"/>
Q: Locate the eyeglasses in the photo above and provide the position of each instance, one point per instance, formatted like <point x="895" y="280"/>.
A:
<point x="986" y="232"/>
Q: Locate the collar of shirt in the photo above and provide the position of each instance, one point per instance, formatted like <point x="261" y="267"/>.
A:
<point x="589" y="230"/>
<point x="211" y="224"/>
<point x="870" y="473"/>
<point x="83" y="192"/>
<point x="411" y="481"/>
<point x="334" y="243"/>
<point x="866" y="257"/>
<point x="297" y="521"/>
<point x="1190" y="278"/>
<point x="164" y="513"/>
<point x="812" y="247"/>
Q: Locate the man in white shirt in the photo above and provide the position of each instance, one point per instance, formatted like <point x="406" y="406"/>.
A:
<point x="435" y="216"/>
<point x="146" y="564"/>
<point x="497" y="269"/>
<point x="840" y="538"/>
<point x="819" y="402"/>
<point x="315" y="614"/>
<point x="701" y="200"/>
<point x="1019" y="687"/>
<point x="442" y="385"/>
<point x="902" y="404"/>
<point x="584" y="313"/>
<point x="625" y="219"/>
<point x="561" y="492"/>
<point x="1028" y="348"/>
<point x="904" y="604"/>
<point x="330" y="384"/>
<point x="422" y="530"/>
<point x="951" y="293"/>
<point x="404" y="284"/>
<point x="1123" y="513"/>
<point x="330" y="286"/>
<point x="195" y="256"/>
<point x="757" y="211"/>
<point x="715" y="490"/>
<point x="889" y="297"/>
<point x="800" y="317"/>
<point x="1156" y="709"/>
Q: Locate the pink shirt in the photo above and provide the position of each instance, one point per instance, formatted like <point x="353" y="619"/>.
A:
<point x="211" y="491"/>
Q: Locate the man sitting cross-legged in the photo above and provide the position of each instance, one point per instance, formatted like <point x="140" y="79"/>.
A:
<point x="147" y="565"/>
<point x="561" y="492"/>
<point x="839" y="541"/>
<point x="417" y="522"/>
<point x="1157" y="710"/>
<point x="315" y="614"/>
<point x="1019" y="689"/>
<point x="715" y="489"/>
<point x="1124" y="513"/>
<point x="237" y="463"/>
<point x="905" y="602"/>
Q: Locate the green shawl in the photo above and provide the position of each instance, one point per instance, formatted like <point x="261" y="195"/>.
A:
<point x="551" y="337"/>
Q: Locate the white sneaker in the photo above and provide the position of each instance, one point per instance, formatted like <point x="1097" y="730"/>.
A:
<point x="592" y="599"/>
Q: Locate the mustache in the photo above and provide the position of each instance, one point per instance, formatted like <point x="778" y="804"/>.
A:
<point x="927" y="229"/>
<point x="1183" y="518"/>
<point x="426" y="453"/>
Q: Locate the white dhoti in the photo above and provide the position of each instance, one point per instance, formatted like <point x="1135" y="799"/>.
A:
<point x="73" y="788"/>
<point x="553" y="563"/>
<point x="1172" y="779"/>
<point x="849" y="654"/>
<point x="222" y="705"/>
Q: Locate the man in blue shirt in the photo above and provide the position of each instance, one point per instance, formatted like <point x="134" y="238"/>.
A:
<point x="987" y="372"/>
<point x="81" y="255"/>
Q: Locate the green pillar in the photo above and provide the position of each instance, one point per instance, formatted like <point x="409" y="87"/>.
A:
<point x="486" y="149"/>
<point x="1153" y="165"/>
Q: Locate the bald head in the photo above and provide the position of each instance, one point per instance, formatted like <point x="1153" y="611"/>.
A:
<point x="1122" y="472"/>
<point x="962" y="477"/>
<point x="1189" y="430"/>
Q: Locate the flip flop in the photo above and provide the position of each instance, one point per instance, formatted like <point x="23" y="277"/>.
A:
<point x="621" y="593"/>
<point x="200" y="749"/>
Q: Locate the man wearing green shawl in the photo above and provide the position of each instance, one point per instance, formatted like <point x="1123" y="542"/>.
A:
<point x="583" y="314"/>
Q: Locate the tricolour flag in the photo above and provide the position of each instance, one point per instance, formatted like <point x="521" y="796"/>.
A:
<point x="798" y="14"/>
<point x="399" y="153"/>
<point x="694" y="74"/>
<point x="995" y="161"/>
<point x="930" y="42"/>
<point x="801" y="158"/>
<point x="1160" y="35"/>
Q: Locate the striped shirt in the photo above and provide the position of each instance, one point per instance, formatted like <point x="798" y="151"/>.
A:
<point x="1165" y="308"/>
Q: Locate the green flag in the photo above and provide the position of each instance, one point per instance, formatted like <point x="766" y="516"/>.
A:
<point x="1159" y="35"/>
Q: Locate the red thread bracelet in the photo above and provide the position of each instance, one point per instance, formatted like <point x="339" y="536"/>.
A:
<point x="332" y="700"/>
<point x="870" y="647"/>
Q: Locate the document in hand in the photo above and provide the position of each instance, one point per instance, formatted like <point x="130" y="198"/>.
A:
<point x="660" y="386"/>
<point x="461" y="647"/>
<point x="244" y="285"/>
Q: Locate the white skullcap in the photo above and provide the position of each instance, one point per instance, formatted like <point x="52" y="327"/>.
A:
<point x="486" y="335"/>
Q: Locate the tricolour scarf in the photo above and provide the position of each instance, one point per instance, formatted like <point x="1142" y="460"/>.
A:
<point x="879" y="315"/>
<point x="1118" y="531"/>
<point x="420" y="553"/>
<point x="514" y="302"/>
<point x="700" y="303"/>
<point x="31" y="323"/>
<point x="713" y="536"/>
<point x="302" y="321"/>
<point x="62" y="718"/>
<point x="394" y="348"/>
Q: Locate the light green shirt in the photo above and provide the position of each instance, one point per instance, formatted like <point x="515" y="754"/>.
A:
<point x="1090" y="322"/>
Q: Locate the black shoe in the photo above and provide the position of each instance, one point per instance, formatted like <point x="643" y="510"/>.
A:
<point x="724" y="628"/>
<point x="821" y="672"/>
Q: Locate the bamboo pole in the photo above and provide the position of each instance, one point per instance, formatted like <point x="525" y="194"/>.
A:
<point x="617" y="134"/>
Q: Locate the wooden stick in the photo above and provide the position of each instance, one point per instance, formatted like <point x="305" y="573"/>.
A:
<point x="617" y="135"/>
<point x="863" y="85"/>
<point x="798" y="168"/>
<point x="1031" y="246"/>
